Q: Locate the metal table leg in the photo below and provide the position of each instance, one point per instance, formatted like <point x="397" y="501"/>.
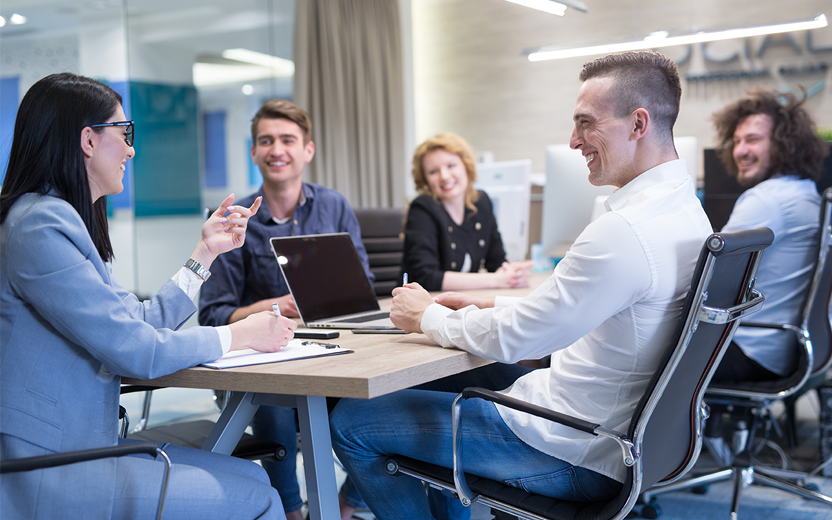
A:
<point x="318" y="463"/>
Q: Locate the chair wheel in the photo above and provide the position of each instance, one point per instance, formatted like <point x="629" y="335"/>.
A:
<point x="651" y="511"/>
<point x="632" y="514"/>
<point x="701" y="490"/>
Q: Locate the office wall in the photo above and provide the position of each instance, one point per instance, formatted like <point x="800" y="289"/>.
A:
<point x="470" y="77"/>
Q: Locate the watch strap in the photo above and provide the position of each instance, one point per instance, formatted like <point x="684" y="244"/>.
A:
<point x="198" y="269"/>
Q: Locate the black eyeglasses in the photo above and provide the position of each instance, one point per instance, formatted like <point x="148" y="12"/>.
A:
<point x="128" y="136"/>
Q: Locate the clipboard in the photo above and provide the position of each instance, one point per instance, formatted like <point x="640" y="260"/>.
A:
<point x="296" y="349"/>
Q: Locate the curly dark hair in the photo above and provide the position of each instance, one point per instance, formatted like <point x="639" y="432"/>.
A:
<point x="796" y="147"/>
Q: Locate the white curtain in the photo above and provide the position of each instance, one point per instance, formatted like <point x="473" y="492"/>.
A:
<point x="348" y="76"/>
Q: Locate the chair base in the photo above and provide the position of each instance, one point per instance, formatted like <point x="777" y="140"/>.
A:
<point x="784" y="480"/>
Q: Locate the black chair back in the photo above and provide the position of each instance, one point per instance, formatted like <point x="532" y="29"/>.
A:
<point x="817" y="319"/>
<point x="383" y="237"/>
<point x="723" y="279"/>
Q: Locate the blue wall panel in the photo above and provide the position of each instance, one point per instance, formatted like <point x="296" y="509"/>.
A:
<point x="166" y="165"/>
<point x="122" y="200"/>
<point x="216" y="171"/>
<point x="9" y="100"/>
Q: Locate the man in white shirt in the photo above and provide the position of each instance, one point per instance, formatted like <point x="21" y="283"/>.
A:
<point x="768" y="142"/>
<point x="606" y="316"/>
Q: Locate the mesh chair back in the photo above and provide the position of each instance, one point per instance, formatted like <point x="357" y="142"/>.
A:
<point x="817" y="317"/>
<point x="382" y="236"/>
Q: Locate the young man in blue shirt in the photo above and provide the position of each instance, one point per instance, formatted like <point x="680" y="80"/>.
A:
<point x="769" y="144"/>
<point x="248" y="279"/>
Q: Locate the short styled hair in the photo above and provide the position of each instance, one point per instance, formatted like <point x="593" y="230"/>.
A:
<point x="282" y="109"/>
<point x="642" y="79"/>
<point x="796" y="147"/>
<point x="454" y="144"/>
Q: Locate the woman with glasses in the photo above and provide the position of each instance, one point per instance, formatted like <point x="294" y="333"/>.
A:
<point x="69" y="330"/>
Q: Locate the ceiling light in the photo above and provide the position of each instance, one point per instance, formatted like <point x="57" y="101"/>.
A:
<point x="2" y="22"/>
<point x="281" y="66"/>
<point x="248" y="89"/>
<point x="552" y="6"/>
<point x="17" y="19"/>
<point x="661" y="39"/>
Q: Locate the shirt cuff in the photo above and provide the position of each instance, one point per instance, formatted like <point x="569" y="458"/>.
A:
<point x="188" y="281"/>
<point x="432" y="321"/>
<point x="225" y="338"/>
<point x="505" y="301"/>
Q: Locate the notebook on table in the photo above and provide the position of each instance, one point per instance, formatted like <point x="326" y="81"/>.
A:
<point x="328" y="282"/>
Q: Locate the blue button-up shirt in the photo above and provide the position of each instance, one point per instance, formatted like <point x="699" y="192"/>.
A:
<point x="250" y="273"/>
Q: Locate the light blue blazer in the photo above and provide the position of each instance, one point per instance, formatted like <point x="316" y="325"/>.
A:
<point x="68" y="331"/>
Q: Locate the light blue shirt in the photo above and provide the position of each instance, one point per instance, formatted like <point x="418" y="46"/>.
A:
<point x="790" y="207"/>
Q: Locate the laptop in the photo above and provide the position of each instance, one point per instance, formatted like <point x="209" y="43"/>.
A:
<point x="328" y="282"/>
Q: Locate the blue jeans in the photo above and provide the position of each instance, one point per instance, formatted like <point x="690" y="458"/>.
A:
<point x="417" y="424"/>
<point x="277" y="424"/>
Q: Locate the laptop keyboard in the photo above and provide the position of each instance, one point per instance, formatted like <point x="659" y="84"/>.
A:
<point x="361" y="319"/>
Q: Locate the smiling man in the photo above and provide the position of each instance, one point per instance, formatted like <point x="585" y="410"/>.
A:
<point x="248" y="280"/>
<point x="768" y="142"/>
<point x="605" y="315"/>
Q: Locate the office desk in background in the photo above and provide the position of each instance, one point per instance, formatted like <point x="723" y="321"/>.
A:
<point x="379" y="365"/>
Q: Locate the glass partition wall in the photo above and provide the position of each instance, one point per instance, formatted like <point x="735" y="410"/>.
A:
<point x="191" y="72"/>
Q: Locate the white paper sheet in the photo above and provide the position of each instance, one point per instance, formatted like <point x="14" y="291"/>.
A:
<point x="296" y="349"/>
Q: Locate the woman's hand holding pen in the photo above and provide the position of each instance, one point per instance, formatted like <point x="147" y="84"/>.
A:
<point x="262" y="331"/>
<point x="221" y="233"/>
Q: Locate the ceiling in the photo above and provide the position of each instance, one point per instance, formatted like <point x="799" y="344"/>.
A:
<point x="203" y="27"/>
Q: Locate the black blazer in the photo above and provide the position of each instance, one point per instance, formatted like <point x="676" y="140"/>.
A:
<point x="433" y="243"/>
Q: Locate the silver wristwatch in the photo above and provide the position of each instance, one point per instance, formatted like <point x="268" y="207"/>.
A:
<point x="198" y="269"/>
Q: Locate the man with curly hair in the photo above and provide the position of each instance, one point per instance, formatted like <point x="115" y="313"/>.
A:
<point x="769" y="143"/>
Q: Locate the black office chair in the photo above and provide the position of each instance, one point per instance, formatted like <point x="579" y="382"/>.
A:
<point x="816" y="322"/>
<point x="750" y="403"/>
<point x="193" y="434"/>
<point x="663" y="439"/>
<point x="73" y="457"/>
<point x="383" y="237"/>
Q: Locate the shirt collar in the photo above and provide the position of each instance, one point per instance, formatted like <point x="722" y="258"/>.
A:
<point x="671" y="171"/>
<point x="265" y="216"/>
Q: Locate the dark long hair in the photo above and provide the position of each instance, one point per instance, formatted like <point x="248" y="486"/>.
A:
<point x="46" y="148"/>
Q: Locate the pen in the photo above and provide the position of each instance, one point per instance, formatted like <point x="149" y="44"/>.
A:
<point x="404" y="279"/>
<point x="276" y="309"/>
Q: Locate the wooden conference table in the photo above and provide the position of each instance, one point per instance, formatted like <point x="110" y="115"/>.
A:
<point x="379" y="365"/>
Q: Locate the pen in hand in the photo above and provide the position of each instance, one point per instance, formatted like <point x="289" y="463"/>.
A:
<point x="404" y="279"/>
<point x="276" y="310"/>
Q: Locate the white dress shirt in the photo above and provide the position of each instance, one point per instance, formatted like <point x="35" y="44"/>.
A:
<point x="790" y="207"/>
<point x="190" y="283"/>
<point x="606" y="315"/>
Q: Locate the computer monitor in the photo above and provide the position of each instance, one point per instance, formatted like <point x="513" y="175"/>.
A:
<point x="570" y="202"/>
<point x="568" y="198"/>
<point x="508" y="185"/>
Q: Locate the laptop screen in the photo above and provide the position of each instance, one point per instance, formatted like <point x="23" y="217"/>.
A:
<point x="325" y="275"/>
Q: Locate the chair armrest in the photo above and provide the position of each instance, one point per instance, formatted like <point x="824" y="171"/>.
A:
<point x="464" y="491"/>
<point x="129" y="389"/>
<point x="71" y="457"/>
<point x="533" y="409"/>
